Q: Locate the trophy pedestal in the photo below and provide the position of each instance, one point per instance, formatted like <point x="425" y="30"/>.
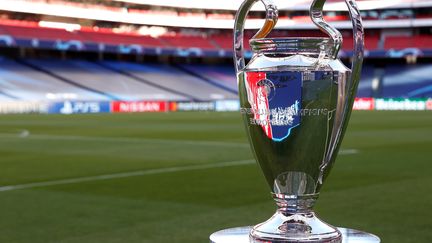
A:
<point x="241" y="235"/>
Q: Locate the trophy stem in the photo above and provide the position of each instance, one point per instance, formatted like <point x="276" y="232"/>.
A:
<point x="295" y="221"/>
<point x="295" y="204"/>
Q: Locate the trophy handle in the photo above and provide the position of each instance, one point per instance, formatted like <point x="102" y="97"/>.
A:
<point x="316" y="14"/>
<point x="240" y="19"/>
<point x="347" y="88"/>
<point x="358" y="53"/>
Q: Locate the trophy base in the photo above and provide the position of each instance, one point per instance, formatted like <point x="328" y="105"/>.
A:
<point x="285" y="226"/>
<point x="242" y="234"/>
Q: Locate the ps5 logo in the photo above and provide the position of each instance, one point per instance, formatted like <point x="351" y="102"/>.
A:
<point x="79" y="107"/>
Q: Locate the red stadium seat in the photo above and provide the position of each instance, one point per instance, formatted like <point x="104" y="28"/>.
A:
<point x="42" y="33"/>
<point x="187" y="41"/>
<point x="30" y="30"/>
<point x="423" y="41"/>
<point x="223" y="41"/>
<point x="398" y="42"/>
<point x="107" y="37"/>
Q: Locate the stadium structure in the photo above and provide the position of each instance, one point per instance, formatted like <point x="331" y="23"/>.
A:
<point x="87" y="56"/>
<point x="156" y="175"/>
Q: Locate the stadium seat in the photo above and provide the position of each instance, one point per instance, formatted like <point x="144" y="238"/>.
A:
<point x="117" y="39"/>
<point x="106" y="81"/>
<point x="171" y="77"/>
<point x="28" y="84"/>
<point x="30" y="32"/>
<point x="183" y="41"/>
<point x="398" y="42"/>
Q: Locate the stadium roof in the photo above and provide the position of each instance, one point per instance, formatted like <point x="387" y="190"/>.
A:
<point x="282" y="4"/>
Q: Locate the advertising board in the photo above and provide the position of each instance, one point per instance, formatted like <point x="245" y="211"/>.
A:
<point x="138" y="106"/>
<point x="227" y="105"/>
<point x="400" y="104"/>
<point x="192" y="106"/>
<point x="22" y="107"/>
<point x="364" y="104"/>
<point x="76" y="107"/>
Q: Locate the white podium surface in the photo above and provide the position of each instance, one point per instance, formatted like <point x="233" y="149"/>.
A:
<point x="241" y="235"/>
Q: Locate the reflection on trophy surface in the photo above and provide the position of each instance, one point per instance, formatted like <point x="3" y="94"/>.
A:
<point x="291" y="118"/>
<point x="290" y="126"/>
<point x="296" y="99"/>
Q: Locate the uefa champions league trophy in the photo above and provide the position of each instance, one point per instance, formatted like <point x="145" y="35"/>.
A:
<point x="296" y="98"/>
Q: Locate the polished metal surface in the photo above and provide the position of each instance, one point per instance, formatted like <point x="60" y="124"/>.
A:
<point x="296" y="99"/>
<point x="240" y="19"/>
<point x="289" y="105"/>
<point x="241" y="235"/>
<point x="317" y="17"/>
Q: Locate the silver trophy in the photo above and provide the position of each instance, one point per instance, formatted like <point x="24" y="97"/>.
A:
<point x="296" y="98"/>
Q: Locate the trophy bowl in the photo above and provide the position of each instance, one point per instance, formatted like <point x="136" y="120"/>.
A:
<point x="293" y="124"/>
<point x="296" y="98"/>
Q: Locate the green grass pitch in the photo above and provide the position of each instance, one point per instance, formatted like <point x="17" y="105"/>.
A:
<point x="186" y="175"/>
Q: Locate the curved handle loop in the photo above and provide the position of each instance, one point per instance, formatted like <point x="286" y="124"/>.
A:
<point x="350" y="89"/>
<point x="316" y="15"/>
<point x="347" y="90"/>
<point x="240" y="19"/>
<point x="358" y="51"/>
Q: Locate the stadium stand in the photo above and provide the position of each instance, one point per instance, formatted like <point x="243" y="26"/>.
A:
<point x="184" y="41"/>
<point x="423" y="41"/>
<point x="21" y="82"/>
<point x="43" y="80"/>
<point x="365" y="85"/>
<point x="39" y="80"/>
<point x="6" y="97"/>
<point x="408" y="81"/>
<point x="398" y="42"/>
<point x="106" y="36"/>
<point x="164" y="78"/>
<point x="221" y="74"/>
<point x="171" y="77"/>
<point x="207" y="40"/>
<point x="31" y="30"/>
<point x="107" y="82"/>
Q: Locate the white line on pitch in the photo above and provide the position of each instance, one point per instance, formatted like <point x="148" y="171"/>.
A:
<point x="125" y="139"/>
<point x="122" y="139"/>
<point x="125" y="175"/>
<point x="348" y="151"/>
<point x="139" y="173"/>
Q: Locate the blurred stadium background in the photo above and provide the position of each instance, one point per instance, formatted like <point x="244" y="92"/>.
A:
<point x="174" y="164"/>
